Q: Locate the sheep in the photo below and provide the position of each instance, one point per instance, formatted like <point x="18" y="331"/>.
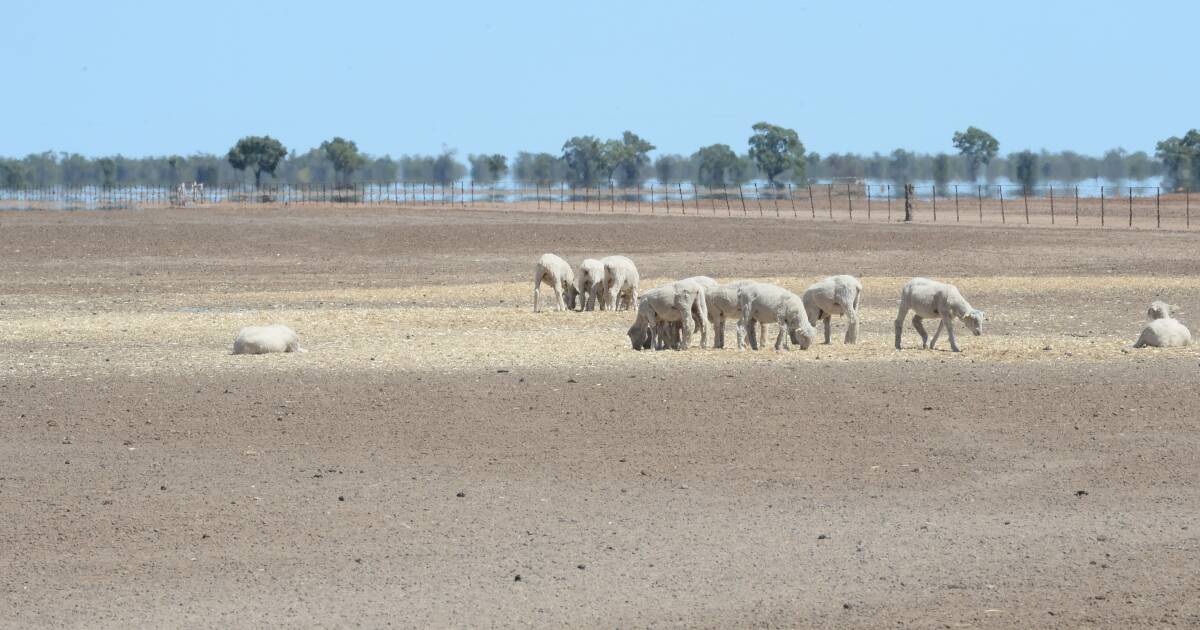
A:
<point x="621" y="279"/>
<point x="722" y="303"/>
<point x="1161" y="310"/>
<point x="835" y="295"/>
<point x="929" y="298"/>
<point x="555" y="272"/>
<point x="1163" y="331"/>
<point x="589" y="283"/>
<point x="264" y="339"/>
<point x="770" y="303"/>
<point x="676" y="302"/>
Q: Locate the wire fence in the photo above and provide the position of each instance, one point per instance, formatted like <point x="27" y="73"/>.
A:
<point x="1099" y="206"/>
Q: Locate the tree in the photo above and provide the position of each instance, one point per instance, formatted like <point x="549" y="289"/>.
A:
<point x="672" y="168"/>
<point x="941" y="171"/>
<point x="777" y="150"/>
<point x="1026" y="167"/>
<point x="1112" y="166"/>
<point x="1181" y="159"/>
<point x="488" y="169"/>
<point x="900" y="168"/>
<point x="585" y="160"/>
<point x="108" y="170"/>
<point x="630" y="158"/>
<point x="344" y="155"/>
<point x="715" y="165"/>
<point x="259" y="153"/>
<point x="12" y="174"/>
<point x="978" y="147"/>
<point x="537" y="168"/>
<point x="446" y="169"/>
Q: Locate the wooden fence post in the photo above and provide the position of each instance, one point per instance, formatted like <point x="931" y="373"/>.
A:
<point x="682" y="204"/>
<point x="1025" y="192"/>
<point x="1051" y="204"/>
<point x="908" y="209"/>
<point x="850" y="201"/>
<point x="1003" y="219"/>
<point x="956" y="216"/>
<point x="792" y="199"/>
<point x="829" y="192"/>
<point x="743" y="199"/>
<point x="812" y="204"/>
<point x="1101" y="206"/>
<point x="758" y="198"/>
<point x="1131" y="206"/>
<point x="868" y="186"/>
<point x="1158" y="206"/>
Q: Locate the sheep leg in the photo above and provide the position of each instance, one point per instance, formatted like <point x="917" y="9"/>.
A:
<point x="900" y="323"/>
<point x="852" y="325"/>
<point x="937" y="333"/>
<point x="742" y="323"/>
<point x="780" y="338"/>
<point x="719" y="332"/>
<point x="828" y="328"/>
<point x="950" y="335"/>
<point x="917" y="319"/>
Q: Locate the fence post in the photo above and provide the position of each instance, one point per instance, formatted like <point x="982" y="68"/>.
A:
<point x="725" y="193"/>
<point x="667" y="196"/>
<point x="868" y="186"/>
<point x="1101" y="206"/>
<point x="908" y="209"/>
<point x="775" y="198"/>
<point x="889" y="199"/>
<point x="935" y="203"/>
<point x="757" y="198"/>
<point x="696" y="197"/>
<point x="1051" y="204"/>
<point x="829" y="191"/>
<point x="1158" y="206"/>
<point x="682" y="204"/>
<point x="651" y="198"/>
<point x="743" y="199"/>
<point x="1131" y="206"/>
<point x="812" y="204"/>
<point x="957" y="218"/>
<point x="792" y="199"/>
<point x="1187" y="205"/>
<point x="1003" y="219"/>
<point x="612" y="199"/>
<point x="849" y="201"/>
<point x="1077" y="205"/>
<point x="1025" y="194"/>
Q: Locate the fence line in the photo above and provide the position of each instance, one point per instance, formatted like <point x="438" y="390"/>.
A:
<point x="1143" y="206"/>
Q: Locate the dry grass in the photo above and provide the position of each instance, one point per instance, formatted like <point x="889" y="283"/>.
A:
<point x="462" y="328"/>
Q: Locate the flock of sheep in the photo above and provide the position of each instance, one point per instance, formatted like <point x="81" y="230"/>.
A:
<point x="667" y="316"/>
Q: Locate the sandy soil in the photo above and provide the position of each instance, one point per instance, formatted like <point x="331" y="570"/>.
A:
<point x="444" y="457"/>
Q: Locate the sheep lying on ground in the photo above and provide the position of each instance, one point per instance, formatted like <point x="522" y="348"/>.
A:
<point x="264" y="339"/>
<point x="835" y="295"/>
<point x="589" y="283"/>
<point x="621" y="281"/>
<point x="558" y="274"/>
<point x="1163" y="331"/>
<point x="927" y="299"/>
<point x="768" y="303"/>
<point x="676" y="302"/>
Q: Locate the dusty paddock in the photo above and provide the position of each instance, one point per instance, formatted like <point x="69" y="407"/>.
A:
<point x="1044" y="477"/>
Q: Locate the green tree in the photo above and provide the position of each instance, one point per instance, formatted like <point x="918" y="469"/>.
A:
<point x="1112" y="165"/>
<point x="978" y="147"/>
<point x="258" y="153"/>
<point x="585" y="161"/>
<point x="537" y="168"/>
<point x="629" y="158"/>
<point x="900" y="167"/>
<point x="488" y="169"/>
<point x="446" y="169"/>
<point x="941" y="171"/>
<point x="12" y="174"/>
<point x="344" y="155"/>
<point x="1181" y="159"/>
<point x="672" y="168"/>
<point x="108" y="171"/>
<point x="1026" y="168"/>
<point x="715" y="165"/>
<point x="777" y="150"/>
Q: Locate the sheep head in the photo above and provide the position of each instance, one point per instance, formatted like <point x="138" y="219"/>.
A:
<point x="974" y="321"/>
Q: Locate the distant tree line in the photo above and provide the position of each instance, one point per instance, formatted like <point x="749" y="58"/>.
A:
<point x="773" y="153"/>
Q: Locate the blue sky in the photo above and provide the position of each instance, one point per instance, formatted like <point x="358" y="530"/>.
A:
<point x="151" y="78"/>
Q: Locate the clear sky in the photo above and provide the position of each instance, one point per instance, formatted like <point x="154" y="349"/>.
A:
<point x="152" y="78"/>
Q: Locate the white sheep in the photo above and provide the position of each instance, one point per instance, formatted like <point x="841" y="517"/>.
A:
<point x="558" y="274"/>
<point x="264" y="339"/>
<point x="768" y="303"/>
<point x="680" y="302"/>
<point x="621" y="281"/>
<point x="1161" y="310"/>
<point x="1163" y="331"/>
<point x="723" y="305"/>
<point x="589" y="283"/>
<point x="928" y="299"/>
<point x="835" y="295"/>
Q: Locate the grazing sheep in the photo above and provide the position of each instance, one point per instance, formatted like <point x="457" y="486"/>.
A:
<point x="929" y="298"/>
<point x="768" y="303"/>
<point x="835" y="295"/>
<point x="676" y="302"/>
<point x="723" y="305"/>
<point x="621" y="280"/>
<point x="1163" y="331"/>
<point x="558" y="274"/>
<point x="1161" y="310"/>
<point x="264" y="339"/>
<point x="589" y="283"/>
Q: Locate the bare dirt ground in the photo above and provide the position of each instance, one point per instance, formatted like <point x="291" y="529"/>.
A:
<point x="444" y="457"/>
